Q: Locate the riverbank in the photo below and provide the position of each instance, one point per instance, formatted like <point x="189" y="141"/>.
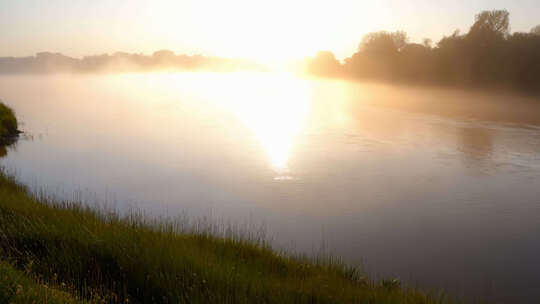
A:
<point x="98" y="255"/>
<point x="8" y="125"/>
<point x="17" y="287"/>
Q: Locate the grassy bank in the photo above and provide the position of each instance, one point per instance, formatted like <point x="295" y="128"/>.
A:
<point x="8" y="125"/>
<point x="124" y="259"/>
<point x="16" y="287"/>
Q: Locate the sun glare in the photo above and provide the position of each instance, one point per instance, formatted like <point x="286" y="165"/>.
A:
<point x="273" y="106"/>
<point x="274" y="109"/>
<point x="271" y="33"/>
<point x="277" y="119"/>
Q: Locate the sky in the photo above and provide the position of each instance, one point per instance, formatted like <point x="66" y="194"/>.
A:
<point x="260" y="30"/>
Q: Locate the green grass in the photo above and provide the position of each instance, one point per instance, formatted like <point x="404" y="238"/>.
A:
<point x="8" y="125"/>
<point x="17" y="287"/>
<point x="101" y="254"/>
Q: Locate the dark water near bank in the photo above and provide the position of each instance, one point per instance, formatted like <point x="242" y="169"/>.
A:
<point x="438" y="188"/>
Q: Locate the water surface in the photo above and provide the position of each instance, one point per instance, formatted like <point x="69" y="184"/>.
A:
<point x="436" y="187"/>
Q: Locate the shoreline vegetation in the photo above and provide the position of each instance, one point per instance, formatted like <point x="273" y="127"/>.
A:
<point x="8" y="126"/>
<point x="122" y="62"/>
<point x="66" y="252"/>
<point x="489" y="57"/>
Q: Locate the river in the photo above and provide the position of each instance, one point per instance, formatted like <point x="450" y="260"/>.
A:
<point x="436" y="187"/>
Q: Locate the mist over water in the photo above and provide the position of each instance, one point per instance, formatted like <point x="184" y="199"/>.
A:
<point x="436" y="187"/>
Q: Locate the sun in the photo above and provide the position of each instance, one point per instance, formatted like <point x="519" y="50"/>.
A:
<point x="268" y="32"/>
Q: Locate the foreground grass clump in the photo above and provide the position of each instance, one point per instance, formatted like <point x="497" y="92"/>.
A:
<point x="103" y="255"/>
<point x="16" y="287"/>
<point x="8" y="125"/>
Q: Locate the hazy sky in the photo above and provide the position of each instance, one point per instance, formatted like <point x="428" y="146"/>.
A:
<point x="262" y="30"/>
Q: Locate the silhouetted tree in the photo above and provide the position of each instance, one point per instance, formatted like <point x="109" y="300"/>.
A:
<point x="377" y="55"/>
<point x="486" y="55"/>
<point x="383" y="42"/>
<point x="496" y="22"/>
<point x="451" y="65"/>
<point x="415" y="62"/>
<point x="523" y="63"/>
<point x="324" y="63"/>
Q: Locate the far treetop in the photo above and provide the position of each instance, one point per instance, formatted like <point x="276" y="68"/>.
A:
<point x="487" y="55"/>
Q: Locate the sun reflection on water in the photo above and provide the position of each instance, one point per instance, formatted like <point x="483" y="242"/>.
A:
<point x="273" y="106"/>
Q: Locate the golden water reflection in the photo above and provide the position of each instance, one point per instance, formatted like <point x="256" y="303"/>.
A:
<point x="281" y="115"/>
<point x="275" y="111"/>
<point x="274" y="107"/>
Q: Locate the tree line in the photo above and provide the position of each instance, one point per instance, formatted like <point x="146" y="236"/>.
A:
<point x="487" y="55"/>
<point x="47" y="62"/>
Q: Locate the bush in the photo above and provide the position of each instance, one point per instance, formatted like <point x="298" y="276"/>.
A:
<point x="8" y="124"/>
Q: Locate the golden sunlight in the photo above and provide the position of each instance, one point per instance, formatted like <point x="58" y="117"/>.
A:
<point x="274" y="107"/>
<point x="198" y="145"/>
<point x="271" y="33"/>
